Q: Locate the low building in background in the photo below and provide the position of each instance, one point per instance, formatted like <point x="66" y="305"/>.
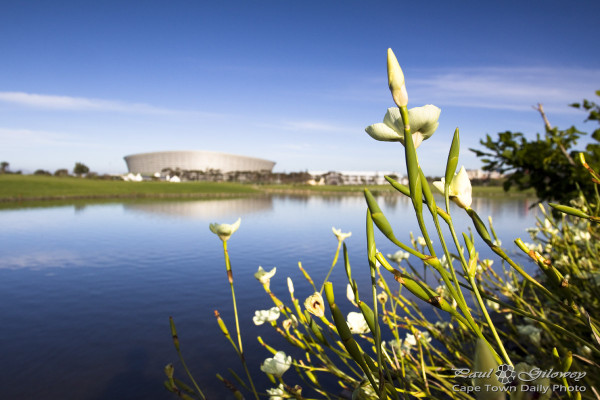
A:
<point x="353" y="177"/>
<point x="479" y="174"/>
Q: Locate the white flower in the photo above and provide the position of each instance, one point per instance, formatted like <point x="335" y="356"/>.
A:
<point x="492" y="305"/>
<point x="398" y="256"/>
<point x="421" y="241"/>
<point x="508" y="289"/>
<point x="443" y="325"/>
<point x="548" y="227"/>
<point x="582" y="236"/>
<point x="459" y="189"/>
<point x="487" y="263"/>
<point x="357" y="323"/>
<point x="314" y="304"/>
<point x="382" y="297"/>
<point x="395" y="345"/>
<point x="277" y="365"/>
<point x="290" y="322"/>
<point x="277" y="393"/>
<point x="290" y="285"/>
<point x="444" y="261"/>
<point x="423" y="123"/>
<point x="350" y="293"/>
<point x="224" y="231"/>
<point x="411" y="340"/>
<point x="340" y="236"/>
<point x="262" y="316"/>
<point x="263" y="276"/>
<point x="534" y="334"/>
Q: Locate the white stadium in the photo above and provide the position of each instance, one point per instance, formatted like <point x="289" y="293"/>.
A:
<point x="151" y="163"/>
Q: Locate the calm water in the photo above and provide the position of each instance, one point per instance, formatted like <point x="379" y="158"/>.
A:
<point x="86" y="291"/>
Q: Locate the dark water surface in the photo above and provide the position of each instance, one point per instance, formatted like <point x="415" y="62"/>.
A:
<point x="86" y="291"/>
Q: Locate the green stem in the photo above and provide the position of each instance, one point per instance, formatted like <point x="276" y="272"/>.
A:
<point x="335" y="258"/>
<point x="237" y="322"/>
<point x="489" y="320"/>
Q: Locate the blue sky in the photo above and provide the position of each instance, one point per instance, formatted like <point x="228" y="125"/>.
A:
<point x="293" y="82"/>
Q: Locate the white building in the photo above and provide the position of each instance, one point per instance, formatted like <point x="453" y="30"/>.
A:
<point x="354" y="177"/>
<point x="481" y="174"/>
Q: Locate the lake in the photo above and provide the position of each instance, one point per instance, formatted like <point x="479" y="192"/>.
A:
<point x="86" y="291"/>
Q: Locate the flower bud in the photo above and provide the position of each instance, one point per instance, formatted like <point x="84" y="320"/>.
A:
<point x="396" y="80"/>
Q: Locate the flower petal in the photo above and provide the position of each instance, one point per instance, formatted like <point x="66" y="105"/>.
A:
<point x="424" y="120"/>
<point x="381" y="131"/>
<point x="393" y="119"/>
<point x="439" y="185"/>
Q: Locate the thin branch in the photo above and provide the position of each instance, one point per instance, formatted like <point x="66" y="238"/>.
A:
<point x="540" y="109"/>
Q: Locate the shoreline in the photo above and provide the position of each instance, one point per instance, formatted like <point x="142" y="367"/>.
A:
<point x="23" y="189"/>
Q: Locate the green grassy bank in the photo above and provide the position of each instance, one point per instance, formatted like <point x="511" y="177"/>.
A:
<point x="34" y="187"/>
<point x="46" y="188"/>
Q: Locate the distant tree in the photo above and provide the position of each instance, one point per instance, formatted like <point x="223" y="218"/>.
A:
<point x="4" y="167"/>
<point x="548" y="163"/>
<point x="61" y="172"/>
<point x="41" y="172"/>
<point x="80" y="169"/>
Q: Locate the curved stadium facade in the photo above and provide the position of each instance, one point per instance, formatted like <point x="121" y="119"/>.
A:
<point x="151" y="163"/>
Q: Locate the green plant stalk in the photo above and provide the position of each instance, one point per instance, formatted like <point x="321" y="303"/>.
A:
<point x="414" y="173"/>
<point x="489" y="320"/>
<point x="348" y="341"/>
<point x="466" y="310"/>
<point x="460" y="299"/>
<point x="371" y="250"/>
<point x="185" y="367"/>
<point x="237" y="322"/>
<point x="307" y="276"/>
<point x="335" y="259"/>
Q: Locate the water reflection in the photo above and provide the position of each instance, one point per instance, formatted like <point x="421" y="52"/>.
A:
<point x="203" y="209"/>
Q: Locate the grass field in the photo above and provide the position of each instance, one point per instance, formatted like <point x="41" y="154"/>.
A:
<point x="46" y="188"/>
<point x="34" y="187"/>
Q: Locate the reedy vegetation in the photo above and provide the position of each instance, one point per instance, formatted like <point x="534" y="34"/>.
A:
<point x="485" y="316"/>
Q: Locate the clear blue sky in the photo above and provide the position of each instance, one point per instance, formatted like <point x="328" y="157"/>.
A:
<point x="295" y="82"/>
